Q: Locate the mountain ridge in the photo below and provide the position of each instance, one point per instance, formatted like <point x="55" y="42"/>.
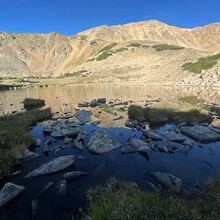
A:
<point x="133" y="53"/>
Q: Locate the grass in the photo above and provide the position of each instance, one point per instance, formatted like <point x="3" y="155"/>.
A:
<point x="126" y="201"/>
<point x="162" y="47"/>
<point x="14" y="136"/>
<point x="104" y="55"/>
<point x="33" y="103"/>
<point x="204" y="63"/>
<point x="159" y="116"/>
<point x="193" y="100"/>
<point x="93" y="43"/>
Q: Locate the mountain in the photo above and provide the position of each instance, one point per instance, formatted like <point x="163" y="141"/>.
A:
<point x="149" y="51"/>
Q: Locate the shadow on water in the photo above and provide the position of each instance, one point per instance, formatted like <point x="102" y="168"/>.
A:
<point x="195" y="167"/>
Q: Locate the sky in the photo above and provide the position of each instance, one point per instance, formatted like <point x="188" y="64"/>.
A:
<point x="70" y="17"/>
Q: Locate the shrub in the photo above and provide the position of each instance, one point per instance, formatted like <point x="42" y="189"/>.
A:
<point x="134" y="45"/>
<point x="162" y="47"/>
<point x="33" y="103"/>
<point x="203" y="63"/>
<point x="104" y="55"/>
<point x="193" y="100"/>
<point x="107" y="48"/>
<point x="121" y="49"/>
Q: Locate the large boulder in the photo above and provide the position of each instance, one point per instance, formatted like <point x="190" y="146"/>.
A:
<point x="52" y="166"/>
<point x="140" y="145"/>
<point x="66" y="131"/>
<point x="83" y="115"/>
<point x="200" y="133"/>
<point x="173" y="136"/>
<point x="168" y="181"/>
<point x="152" y="135"/>
<point x="100" y="142"/>
<point x="9" y="192"/>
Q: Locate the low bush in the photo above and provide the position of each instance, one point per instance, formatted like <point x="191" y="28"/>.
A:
<point x="33" y="103"/>
<point x="162" y="47"/>
<point x="204" y="63"/>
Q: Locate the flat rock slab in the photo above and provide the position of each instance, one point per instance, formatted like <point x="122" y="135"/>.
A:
<point x="9" y="192"/>
<point x="83" y="115"/>
<point x="152" y="135"/>
<point x="52" y="166"/>
<point x="66" y="131"/>
<point x="200" y="133"/>
<point x="168" y="181"/>
<point x="73" y="175"/>
<point x="173" y="136"/>
<point x="100" y="143"/>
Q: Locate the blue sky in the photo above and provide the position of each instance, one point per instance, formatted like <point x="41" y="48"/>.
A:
<point x="72" y="16"/>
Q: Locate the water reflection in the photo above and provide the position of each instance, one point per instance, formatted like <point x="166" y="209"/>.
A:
<point x="65" y="98"/>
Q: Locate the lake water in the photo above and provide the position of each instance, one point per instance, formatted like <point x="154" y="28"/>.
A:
<point x="137" y="167"/>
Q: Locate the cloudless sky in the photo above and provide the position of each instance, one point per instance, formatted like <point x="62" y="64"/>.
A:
<point x="72" y="16"/>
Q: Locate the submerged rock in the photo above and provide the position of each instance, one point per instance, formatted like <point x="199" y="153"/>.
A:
<point x="100" y="142"/>
<point x="200" y="133"/>
<point x="83" y="115"/>
<point x="61" y="188"/>
<point x="52" y="166"/>
<point x="29" y="155"/>
<point x="9" y="192"/>
<point x="168" y="181"/>
<point x="73" y="175"/>
<point x="34" y="206"/>
<point x="184" y="149"/>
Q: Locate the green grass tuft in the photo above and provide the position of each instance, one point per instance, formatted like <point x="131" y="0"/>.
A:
<point x="193" y="100"/>
<point x="107" y="48"/>
<point x="204" y="63"/>
<point x="121" y="49"/>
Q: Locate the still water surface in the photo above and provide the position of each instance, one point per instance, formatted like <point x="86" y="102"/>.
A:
<point x="127" y="167"/>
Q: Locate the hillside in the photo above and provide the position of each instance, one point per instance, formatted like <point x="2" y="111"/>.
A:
<point x="148" y="52"/>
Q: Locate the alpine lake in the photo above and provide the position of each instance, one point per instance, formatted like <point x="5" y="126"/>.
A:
<point x="194" y="168"/>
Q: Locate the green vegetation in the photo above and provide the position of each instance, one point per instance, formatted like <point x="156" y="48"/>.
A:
<point x="78" y="73"/>
<point x="33" y="103"/>
<point x="162" y="47"/>
<point x="107" y="48"/>
<point x="158" y="116"/>
<point x="104" y="55"/>
<point x="126" y="201"/>
<point x="90" y="60"/>
<point x="14" y="136"/>
<point x="93" y="43"/>
<point x="82" y="37"/>
<point x="134" y="45"/>
<point x="203" y="63"/>
<point x="121" y="49"/>
<point x="193" y="100"/>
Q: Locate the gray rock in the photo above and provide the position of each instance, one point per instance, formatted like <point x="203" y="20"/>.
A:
<point x="94" y="103"/>
<point x="118" y="118"/>
<point x="16" y="173"/>
<point x="37" y="142"/>
<point x="184" y="149"/>
<point x="78" y="145"/>
<point x="67" y="140"/>
<point x="100" y="142"/>
<point x="152" y="135"/>
<point x="29" y="155"/>
<point x="73" y="175"/>
<point x="102" y="100"/>
<point x="66" y="131"/>
<point x="48" y="129"/>
<point x="50" y="184"/>
<point x="95" y="123"/>
<point x="140" y="145"/>
<point x="152" y="187"/>
<point x="215" y="129"/>
<point x="168" y="181"/>
<point x="83" y="116"/>
<point x="200" y="133"/>
<point x="128" y="149"/>
<point x="52" y="166"/>
<point x="162" y="148"/>
<point x="173" y="136"/>
<point x="9" y="192"/>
